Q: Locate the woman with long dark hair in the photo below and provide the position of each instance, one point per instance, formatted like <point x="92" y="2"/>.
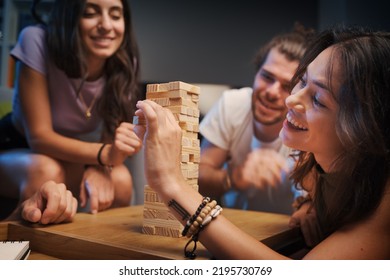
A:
<point x="338" y="118"/>
<point x="76" y="87"/>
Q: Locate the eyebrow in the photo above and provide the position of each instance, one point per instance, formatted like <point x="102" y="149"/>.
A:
<point x="96" y="6"/>
<point x="318" y="83"/>
<point x="321" y="85"/>
<point x="284" y="82"/>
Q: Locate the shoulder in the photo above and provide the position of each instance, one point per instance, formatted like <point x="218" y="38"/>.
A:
<point x="31" y="47"/>
<point x="234" y="103"/>
<point x="232" y="106"/>
<point x="32" y="33"/>
<point x="366" y="239"/>
<point x="237" y="97"/>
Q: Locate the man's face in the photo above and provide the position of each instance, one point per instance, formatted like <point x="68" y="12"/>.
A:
<point x="271" y="88"/>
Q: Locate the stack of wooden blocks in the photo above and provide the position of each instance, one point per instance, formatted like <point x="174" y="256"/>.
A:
<point x="183" y="100"/>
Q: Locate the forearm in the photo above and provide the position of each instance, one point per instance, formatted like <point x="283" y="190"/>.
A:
<point x="69" y="149"/>
<point x="220" y="236"/>
<point x="212" y="181"/>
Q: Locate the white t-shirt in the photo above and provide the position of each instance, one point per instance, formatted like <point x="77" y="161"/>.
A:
<point x="229" y="125"/>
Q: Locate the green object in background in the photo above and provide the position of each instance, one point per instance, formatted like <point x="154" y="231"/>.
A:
<point x="5" y="107"/>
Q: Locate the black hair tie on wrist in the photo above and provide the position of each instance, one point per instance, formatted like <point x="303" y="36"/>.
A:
<point x="99" y="154"/>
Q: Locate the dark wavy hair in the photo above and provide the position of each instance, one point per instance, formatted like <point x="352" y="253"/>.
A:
<point x="354" y="190"/>
<point x="292" y="45"/>
<point x="122" y="89"/>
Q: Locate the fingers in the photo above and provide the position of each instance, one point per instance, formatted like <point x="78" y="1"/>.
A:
<point x="100" y="198"/>
<point x="268" y="167"/>
<point x="306" y="219"/>
<point x="156" y="116"/>
<point x="56" y="202"/>
<point x="93" y="198"/>
<point x="83" y="195"/>
<point x="30" y="212"/>
<point x="149" y="112"/>
<point x="126" y="139"/>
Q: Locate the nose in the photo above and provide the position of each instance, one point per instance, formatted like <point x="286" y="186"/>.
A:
<point x="294" y="101"/>
<point x="105" y="23"/>
<point x="274" y="91"/>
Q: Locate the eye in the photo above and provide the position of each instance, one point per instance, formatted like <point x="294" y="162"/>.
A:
<point x="116" y="14"/>
<point x="89" y="12"/>
<point x="302" y="82"/>
<point x="317" y="102"/>
<point x="267" y="76"/>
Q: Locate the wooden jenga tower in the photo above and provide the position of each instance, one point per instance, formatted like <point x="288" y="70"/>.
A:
<point x="183" y="100"/>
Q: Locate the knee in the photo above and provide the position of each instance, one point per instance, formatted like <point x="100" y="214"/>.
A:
<point x="47" y="168"/>
<point x="41" y="170"/>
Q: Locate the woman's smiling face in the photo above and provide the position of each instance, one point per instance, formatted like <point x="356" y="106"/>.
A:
<point x="312" y="111"/>
<point x="102" y="28"/>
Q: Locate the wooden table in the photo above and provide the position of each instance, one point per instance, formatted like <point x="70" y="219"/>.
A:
<point x="116" y="234"/>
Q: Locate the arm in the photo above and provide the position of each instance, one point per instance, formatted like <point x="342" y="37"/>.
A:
<point x="212" y="175"/>
<point x="305" y="218"/>
<point x="43" y="139"/>
<point x="367" y="239"/>
<point x="260" y="169"/>
<point x="163" y="173"/>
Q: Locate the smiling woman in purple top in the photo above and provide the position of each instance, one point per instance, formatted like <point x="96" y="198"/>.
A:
<point x="75" y="95"/>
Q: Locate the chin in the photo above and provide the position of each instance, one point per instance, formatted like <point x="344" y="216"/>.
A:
<point x="288" y="141"/>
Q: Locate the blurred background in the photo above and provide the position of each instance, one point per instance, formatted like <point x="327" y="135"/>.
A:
<point x="210" y="43"/>
<point x="207" y="41"/>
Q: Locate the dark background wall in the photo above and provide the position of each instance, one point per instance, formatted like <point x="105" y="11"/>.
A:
<point x="214" y="41"/>
<point x="211" y="41"/>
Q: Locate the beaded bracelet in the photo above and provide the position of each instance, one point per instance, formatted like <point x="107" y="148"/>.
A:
<point x="198" y="221"/>
<point x="193" y="217"/>
<point x="212" y="215"/>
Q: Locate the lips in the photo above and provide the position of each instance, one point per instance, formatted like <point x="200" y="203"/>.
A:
<point x="295" y="123"/>
<point x="267" y="108"/>
<point x="102" y="41"/>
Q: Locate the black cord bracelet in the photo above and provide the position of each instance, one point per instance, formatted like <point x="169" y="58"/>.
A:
<point x="99" y="154"/>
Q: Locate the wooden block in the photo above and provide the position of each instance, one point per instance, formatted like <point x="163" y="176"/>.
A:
<point x="169" y="94"/>
<point x="183" y="101"/>
<point x="150" y="213"/>
<point x="190" y="134"/>
<point x="187" y="126"/>
<point x="186" y="119"/>
<point x="190" y="150"/>
<point x="193" y="112"/>
<point x="151" y="196"/>
<point x="179" y="109"/>
<point x="185" y="158"/>
<point x="172" y="86"/>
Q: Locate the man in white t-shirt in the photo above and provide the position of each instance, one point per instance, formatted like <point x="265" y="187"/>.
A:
<point x="243" y="162"/>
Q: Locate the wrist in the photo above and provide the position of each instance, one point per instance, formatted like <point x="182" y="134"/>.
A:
<point x="227" y="182"/>
<point x="102" y="156"/>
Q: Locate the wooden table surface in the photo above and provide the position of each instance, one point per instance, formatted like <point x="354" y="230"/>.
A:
<point x="116" y="234"/>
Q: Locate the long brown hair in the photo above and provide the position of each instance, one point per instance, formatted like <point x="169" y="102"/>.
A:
<point x="354" y="190"/>
<point x="121" y="90"/>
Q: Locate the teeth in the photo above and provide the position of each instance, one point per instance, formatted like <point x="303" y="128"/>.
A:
<point x="295" y="123"/>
